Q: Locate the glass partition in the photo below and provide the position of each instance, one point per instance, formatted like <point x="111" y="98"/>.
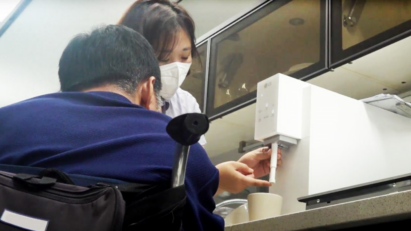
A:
<point x="195" y="80"/>
<point x="281" y="37"/>
<point x="362" y="26"/>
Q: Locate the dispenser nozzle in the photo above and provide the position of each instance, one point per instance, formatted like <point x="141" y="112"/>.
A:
<point x="273" y="162"/>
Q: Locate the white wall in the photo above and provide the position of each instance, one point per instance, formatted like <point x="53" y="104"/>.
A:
<point x="30" y="49"/>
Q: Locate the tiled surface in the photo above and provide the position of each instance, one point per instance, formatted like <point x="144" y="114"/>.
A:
<point x="377" y="208"/>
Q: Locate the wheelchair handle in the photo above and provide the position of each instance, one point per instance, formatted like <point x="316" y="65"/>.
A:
<point x="186" y="130"/>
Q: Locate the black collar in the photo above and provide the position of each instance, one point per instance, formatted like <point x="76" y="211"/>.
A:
<point x="165" y="106"/>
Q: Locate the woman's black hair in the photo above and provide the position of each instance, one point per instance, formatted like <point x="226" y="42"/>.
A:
<point x="159" y="22"/>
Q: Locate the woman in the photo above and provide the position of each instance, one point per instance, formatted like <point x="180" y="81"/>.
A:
<point x="170" y="30"/>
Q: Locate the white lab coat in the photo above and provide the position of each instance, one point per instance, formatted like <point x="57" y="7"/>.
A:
<point x="183" y="102"/>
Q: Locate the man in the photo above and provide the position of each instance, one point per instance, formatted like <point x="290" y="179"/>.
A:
<point x="106" y="123"/>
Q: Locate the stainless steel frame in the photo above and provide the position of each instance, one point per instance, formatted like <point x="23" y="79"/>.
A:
<point x="358" y="192"/>
<point x="206" y="75"/>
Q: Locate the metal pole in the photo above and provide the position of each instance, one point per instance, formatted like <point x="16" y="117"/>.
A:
<point x="180" y="165"/>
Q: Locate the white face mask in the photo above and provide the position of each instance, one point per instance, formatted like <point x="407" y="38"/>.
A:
<point x="172" y="76"/>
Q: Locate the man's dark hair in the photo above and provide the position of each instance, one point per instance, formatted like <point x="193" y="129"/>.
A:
<point x="110" y="54"/>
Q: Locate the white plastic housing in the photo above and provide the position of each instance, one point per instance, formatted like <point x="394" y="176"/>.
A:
<point x="279" y="107"/>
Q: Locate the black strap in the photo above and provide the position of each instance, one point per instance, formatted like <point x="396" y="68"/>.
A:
<point x="34" y="180"/>
<point x="80" y="180"/>
<point x="36" y="176"/>
<point x="58" y="175"/>
<point x="46" y="178"/>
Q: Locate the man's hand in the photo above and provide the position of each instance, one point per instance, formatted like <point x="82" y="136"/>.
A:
<point x="236" y="176"/>
<point x="259" y="161"/>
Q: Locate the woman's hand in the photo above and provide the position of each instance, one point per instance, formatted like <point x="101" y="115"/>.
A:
<point x="259" y="161"/>
<point x="236" y="176"/>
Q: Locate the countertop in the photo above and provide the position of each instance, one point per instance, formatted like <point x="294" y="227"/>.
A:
<point x="373" y="210"/>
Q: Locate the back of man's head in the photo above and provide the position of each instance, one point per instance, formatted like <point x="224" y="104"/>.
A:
<point x="112" y="54"/>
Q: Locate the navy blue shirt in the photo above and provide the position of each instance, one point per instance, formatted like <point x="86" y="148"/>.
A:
<point x="103" y="134"/>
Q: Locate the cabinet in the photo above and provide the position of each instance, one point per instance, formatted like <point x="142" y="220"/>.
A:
<point x="299" y="38"/>
<point x="280" y="37"/>
<point x="359" y="27"/>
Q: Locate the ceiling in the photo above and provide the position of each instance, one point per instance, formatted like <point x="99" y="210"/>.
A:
<point x="386" y="69"/>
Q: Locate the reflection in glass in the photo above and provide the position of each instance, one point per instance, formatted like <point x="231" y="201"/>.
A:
<point x="364" y="19"/>
<point x="283" y="40"/>
<point x="195" y="81"/>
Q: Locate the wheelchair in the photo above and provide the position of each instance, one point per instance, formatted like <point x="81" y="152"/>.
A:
<point x="147" y="207"/>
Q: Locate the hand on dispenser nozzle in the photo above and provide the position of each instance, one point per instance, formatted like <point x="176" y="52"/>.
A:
<point x="259" y="160"/>
<point x="236" y="176"/>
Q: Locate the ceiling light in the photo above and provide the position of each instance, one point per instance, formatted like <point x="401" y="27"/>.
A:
<point x="7" y="7"/>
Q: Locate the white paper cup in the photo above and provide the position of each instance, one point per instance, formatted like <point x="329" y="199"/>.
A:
<point x="264" y="205"/>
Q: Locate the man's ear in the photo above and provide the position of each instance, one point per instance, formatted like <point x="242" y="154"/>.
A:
<point x="147" y="95"/>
